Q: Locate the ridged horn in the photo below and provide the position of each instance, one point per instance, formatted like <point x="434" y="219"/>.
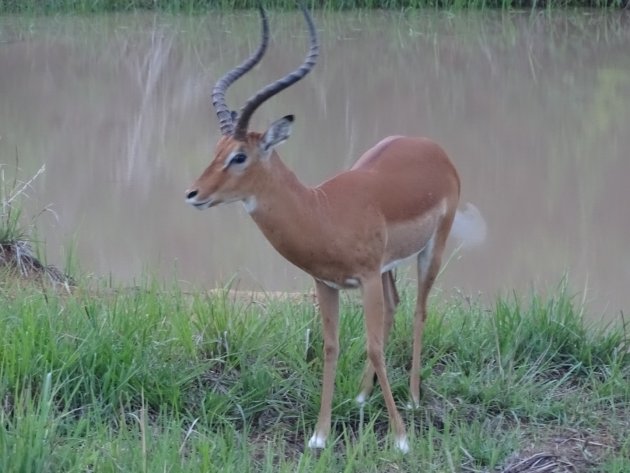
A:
<point x="272" y="89"/>
<point x="224" y="114"/>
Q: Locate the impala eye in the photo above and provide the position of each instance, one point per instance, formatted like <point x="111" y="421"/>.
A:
<point x="238" y="158"/>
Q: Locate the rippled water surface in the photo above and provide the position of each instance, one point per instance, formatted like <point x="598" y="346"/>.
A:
<point x="533" y="110"/>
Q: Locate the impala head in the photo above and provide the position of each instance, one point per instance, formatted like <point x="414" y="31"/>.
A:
<point x="241" y="156"/>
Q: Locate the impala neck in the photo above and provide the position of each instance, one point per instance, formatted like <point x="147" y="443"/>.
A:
<point x="281" y="197"/>
<point x="284" y="209"/>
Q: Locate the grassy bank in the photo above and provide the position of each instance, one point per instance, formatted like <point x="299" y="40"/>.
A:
<point x="49" y="6"/>
<point x="152" y="379"/>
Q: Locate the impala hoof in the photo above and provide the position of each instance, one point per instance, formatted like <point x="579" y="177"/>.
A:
<point x="317" y="441"/>
<point x="361" y="399"/>
<point x="402" y="445"/>
<point x="413" y="405"/>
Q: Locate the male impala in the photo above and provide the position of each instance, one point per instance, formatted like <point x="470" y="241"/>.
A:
<point x="398" y="201"/>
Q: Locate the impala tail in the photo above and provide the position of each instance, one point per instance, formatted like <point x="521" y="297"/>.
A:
<point x="469" y="227"/>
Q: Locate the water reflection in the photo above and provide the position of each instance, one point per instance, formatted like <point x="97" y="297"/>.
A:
<point x="533" y="109"/>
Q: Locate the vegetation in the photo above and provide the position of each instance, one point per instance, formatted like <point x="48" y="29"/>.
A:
<point x="204" y="5"/>
<point x="152" y="379"/>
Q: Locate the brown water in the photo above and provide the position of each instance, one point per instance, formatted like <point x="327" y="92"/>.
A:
<point x="533" y="109"/>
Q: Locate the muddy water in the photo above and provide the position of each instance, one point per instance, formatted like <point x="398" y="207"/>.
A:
<point x="533" y="109"/>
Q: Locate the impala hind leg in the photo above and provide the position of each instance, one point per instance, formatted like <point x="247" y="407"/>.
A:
<point x="328" y="299"/>
<point x="391" y="300"/>
<point x="374" y="308"/>
<point x="429" y="261"/>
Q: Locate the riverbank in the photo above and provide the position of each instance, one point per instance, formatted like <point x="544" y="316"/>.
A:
<point x="155" y="379"/>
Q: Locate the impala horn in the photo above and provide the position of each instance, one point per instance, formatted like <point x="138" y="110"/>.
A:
<point x="225" y="115"/>
<point x="240" y="132"/>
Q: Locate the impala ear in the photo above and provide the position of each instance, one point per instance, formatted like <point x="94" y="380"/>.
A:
<point x="278" y="132"/>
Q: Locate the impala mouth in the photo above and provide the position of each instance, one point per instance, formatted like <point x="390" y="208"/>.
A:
<point x="204" y="204"/>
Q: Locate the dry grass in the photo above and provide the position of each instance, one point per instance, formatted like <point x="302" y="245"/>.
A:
<point x="563" y="451"/>
<point x="18" y="260"/>
<point x="17" y="256"/>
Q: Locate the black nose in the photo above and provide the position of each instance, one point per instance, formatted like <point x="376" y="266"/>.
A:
<point x="192" y="194"/>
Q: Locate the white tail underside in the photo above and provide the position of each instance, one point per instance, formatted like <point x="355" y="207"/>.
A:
<point x="469" y="227"/>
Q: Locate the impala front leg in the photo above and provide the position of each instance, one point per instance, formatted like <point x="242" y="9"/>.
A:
<point x="328" y="299"/>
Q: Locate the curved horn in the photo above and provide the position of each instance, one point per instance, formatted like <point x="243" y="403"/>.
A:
<point x="275" y="87"/>
<point x="218" y="92"/>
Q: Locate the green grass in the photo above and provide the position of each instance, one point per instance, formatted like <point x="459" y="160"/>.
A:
<point x="83" y="6"/>
<point x="152" y="379"/>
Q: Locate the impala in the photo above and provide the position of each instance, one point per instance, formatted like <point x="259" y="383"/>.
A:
<point x="398" y="201"/>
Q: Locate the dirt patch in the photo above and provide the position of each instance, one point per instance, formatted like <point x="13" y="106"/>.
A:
<point x="567" y="451"/>
<point x="17" y="260"/>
